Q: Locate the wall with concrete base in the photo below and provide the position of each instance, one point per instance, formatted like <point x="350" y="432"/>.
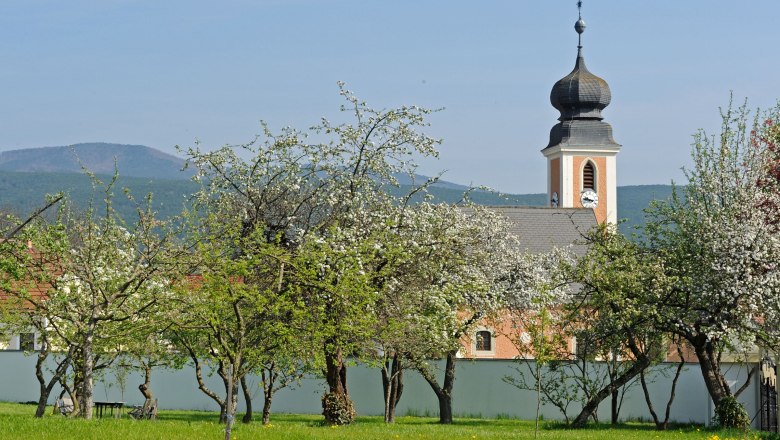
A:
<point x="479" y="391"/>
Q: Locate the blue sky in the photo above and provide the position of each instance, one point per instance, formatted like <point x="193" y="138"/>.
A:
<point x="168" y="72"/>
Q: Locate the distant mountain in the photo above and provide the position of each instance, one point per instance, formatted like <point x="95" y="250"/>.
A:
<point x="26" y="176"/>
<point x="99" y="158"/>
<point x="419" y="179"/>
<point x="131" y="160"/>
<point x="632" y="200"/>
<point x="21" y="193"/>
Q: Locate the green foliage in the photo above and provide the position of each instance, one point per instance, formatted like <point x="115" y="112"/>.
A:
<point x="718" y="241"/>
<point x="730" y="413"/>
<point x="337" y="409"/>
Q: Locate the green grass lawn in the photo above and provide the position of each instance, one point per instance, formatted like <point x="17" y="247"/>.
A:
<point x="16" y="422"/>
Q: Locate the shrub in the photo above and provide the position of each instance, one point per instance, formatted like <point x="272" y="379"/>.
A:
<point x="729" y="413"/>
<point x="337" y="409"/>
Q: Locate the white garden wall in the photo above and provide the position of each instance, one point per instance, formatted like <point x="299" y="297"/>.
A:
<point x="479" y="391"/>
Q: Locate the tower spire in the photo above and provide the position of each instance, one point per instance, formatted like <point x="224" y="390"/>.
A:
<point x="579" y="26"/>
<point x="581" y="154"/>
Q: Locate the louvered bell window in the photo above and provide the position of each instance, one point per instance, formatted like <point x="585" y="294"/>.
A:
<point x="589" y="176"/>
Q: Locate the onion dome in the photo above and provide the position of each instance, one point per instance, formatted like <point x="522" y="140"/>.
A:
<point x="580" y="96"/>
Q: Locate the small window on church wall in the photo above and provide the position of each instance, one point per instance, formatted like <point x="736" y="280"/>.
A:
<point x="589" y="176"/>
<point x="484" y="341"/>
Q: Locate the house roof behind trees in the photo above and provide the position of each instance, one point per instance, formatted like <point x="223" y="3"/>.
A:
<point x="540" y="229"/>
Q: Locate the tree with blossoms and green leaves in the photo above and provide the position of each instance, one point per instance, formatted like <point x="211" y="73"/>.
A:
<point x="92" y="282"/>
<point x="466" y="266"/>
<point x="322" y="197"/>
<point x="719" y="243"/>
<point x="534" y="308"/>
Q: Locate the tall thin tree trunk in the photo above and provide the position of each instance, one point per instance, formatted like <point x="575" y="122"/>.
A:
<point x="615" y="408"/>
<point x="443" y="392"/>
<point x="43" y="396"/>
<point x="202" y="384"/>
<point x="247" y="400"/>
<point x="269" y="376"/>
<point x="661" y="425"/>
<point x="230" y="377"/>
<point x="230" y="408"/>
<point x="392" y="386"/>
<point x="267" y="408"/>
<point x="87" y="386"/>
<point x="710" y="369"/>
<point x="59" y="373"/>
<point x="641" y="362"/>
<point x="538" y="368"/>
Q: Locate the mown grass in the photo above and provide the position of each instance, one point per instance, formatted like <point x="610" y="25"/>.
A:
<point x="16" y="422"/>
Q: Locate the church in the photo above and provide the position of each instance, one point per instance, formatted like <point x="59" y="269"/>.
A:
<point x="581" y="183"/>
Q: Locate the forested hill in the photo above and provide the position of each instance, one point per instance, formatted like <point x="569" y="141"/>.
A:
<point x="27" y="175"/>
<point x="100" y="158"/>
<point x="21" y="193"/>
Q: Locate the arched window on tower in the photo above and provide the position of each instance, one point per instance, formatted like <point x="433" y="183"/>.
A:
<point x="589" y="176"/>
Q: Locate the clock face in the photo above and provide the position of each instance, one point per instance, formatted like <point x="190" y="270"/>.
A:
<point x="554" y="200"/>
<point x="589" y="199"/>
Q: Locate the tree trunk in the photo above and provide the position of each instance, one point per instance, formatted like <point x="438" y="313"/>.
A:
<point x="202" y="385"/>
<point x="392" y="386"/>
<point x="72" y="394"/>
<point x="87" y="387"/>
<point x="614" y="407"/>
<point x="59" y="372"/>
<point x="336" y="373"/>
<point x="145" y="388"/>
<point x="269" y="379"/>
<point x="445" y="408"/>
<point x="444" y="392"/>
<point x="538" y="368"/>
<point x="43" y="396"/>
<point x="230" y="377"/>
<point x="642" y="361"/>
<point x="710" y="369"/>
<point x="267" y="408"/>
<point x="336" y="404"/>
<point x="147" y="391"/>
<point x="661" y="425"/>
<point x="247" y="400"/>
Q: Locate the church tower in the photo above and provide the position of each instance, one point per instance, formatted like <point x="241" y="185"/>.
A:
<point x="581" y="155"/>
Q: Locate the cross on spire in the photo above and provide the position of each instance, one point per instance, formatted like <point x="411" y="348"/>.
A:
<point x="579" y="26"/>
